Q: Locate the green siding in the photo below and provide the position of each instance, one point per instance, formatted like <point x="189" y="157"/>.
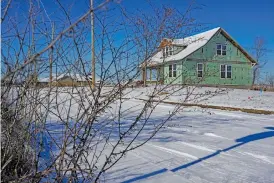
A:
<point x="173" y="80"/>
<point x="186" y="69"/>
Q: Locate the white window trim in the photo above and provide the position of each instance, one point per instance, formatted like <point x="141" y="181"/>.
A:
<point x="225" y="71"/>
<point x="200" y="70"/>
<point x="166" y="51"/>
<point x="221" y="71"/>
<point x="221" y="49"/>
<point x="169" y="70"/>
<point x="230" y="71"/>
<point x="172" y="70"/>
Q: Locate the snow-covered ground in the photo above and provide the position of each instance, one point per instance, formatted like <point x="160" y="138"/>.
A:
<point x="196" y="145"/>
<point x="241" y="98"/>
<point x="202" y="146"/>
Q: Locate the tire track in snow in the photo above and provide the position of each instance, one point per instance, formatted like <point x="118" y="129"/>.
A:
<point x="239" y="115"/>
<point x="142" y="154"/>
<point x="172" y="151"/>
<point x="175" y="152"/>
<point x="205" y="149"/>
<point x="216" y="136"/>
<point x="163" y="164"/>
<point x="204" y="164"/>
<point x="263" y="158"/>
<point x="198" y="147"/>
<point x="257" y="156"/>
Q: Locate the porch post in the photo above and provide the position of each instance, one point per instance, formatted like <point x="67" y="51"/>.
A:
<point x="150" y="74"/>
<point x="158" y="74"/>
<point x="143" y="74"/>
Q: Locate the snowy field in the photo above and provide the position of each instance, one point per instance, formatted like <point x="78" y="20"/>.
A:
<point x="241" y="98"/>
<point x="202" y="146"/>
<point x="196" y="145"/>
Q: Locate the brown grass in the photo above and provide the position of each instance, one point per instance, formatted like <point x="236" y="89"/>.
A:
<point x="163" y="93"/>
<point x="264" y="88"/>
<point x="65" y="84"/>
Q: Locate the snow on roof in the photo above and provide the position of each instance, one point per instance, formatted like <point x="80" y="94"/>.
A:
<point x="42" y="79"/>
<point x="76" y="77"/>
<point x="192" y="44"/>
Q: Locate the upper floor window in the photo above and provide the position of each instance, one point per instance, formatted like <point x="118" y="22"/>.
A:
<point x="221" y="49"/>
<point x="167" y="51"/>
<point x="200" y="69"/>
<point x="172" y="70"/>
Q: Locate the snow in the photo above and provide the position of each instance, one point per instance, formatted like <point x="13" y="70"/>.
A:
<point x="240" y="98"/>
<point x="77" y="77"/>
<point x="174" y="152"/>
<point x="202" y="146"/>
<point x="196" y="145"/>
<point x="192" y="44"/>
<point x="214" y="135"/>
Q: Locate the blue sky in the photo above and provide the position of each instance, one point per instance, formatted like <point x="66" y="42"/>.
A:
<point x="244" y="20"/>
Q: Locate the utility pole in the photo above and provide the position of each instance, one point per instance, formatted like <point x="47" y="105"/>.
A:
<point x="51" y="56"/>
<point x="92" y="45"/>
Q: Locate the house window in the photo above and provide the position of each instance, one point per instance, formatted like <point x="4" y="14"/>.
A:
<point x="222" y="71"/>
<point x="200" y="68"/>
<point x="167" y="51"/>
<point x="172" y="71"/>
<point x="226" y="71"/>
<point x="221" y="49"/>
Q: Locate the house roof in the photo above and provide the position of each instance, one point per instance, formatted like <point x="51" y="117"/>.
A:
<point x="76" y="77"/>
<point x="192" y="43"/>
<point x="239" y="47"/>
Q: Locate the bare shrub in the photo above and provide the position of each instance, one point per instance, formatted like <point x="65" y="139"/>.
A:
<point x="74" y="133"/>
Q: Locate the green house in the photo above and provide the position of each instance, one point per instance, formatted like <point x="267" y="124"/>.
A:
<point x="209" y="58"/>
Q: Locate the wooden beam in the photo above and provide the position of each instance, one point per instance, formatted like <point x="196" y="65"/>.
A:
<point x="143" y="75"/>
<point x="150" y="74"/>
<point x="158" y="73"/>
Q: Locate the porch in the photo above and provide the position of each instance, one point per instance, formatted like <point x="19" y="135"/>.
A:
<point x="153" y="74"/>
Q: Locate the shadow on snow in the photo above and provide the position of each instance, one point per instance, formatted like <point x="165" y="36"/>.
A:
<point x="240" y="142"/>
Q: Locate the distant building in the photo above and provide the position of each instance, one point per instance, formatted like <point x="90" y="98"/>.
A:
<point x="66" y="80"/>
<point x="209" y="58"/>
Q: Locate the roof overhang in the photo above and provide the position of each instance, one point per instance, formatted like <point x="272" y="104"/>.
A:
<point x="150" y="64"/>
<point x="253" y="61"/>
